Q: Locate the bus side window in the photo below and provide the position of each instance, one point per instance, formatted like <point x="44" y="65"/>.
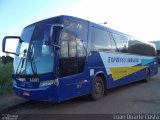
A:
<point x="80" y="48"/>
<point x="64" y="49"/>
<point x="141" y="48"/>
<point x="68" y="64"/>
<point x="121" y="42"/>
<point x="72" y="52"/>
<point x="81" y="54"/>
<point x="113" y="43"/>
<point x="100" y="40"/>
<point x="72" y="47"/>
<point x="72" y="55"/>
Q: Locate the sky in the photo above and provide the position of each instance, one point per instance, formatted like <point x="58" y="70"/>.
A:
<point x="139" y="18"/>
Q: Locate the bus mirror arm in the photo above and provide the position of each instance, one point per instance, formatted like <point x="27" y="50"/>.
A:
<point x="12" y="53"/>
<point x="50" y="33"/>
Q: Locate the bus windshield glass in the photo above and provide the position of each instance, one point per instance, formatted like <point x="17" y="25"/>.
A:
<point x="34" y="56"/>
<point x="40" y="58"/>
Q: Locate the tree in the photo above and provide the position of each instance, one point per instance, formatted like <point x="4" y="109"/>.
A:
<point x="6" y="59"/>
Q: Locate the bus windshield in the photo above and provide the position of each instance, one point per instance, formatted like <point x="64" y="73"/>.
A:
<point x="40" y="58"/>
<point x="34" y="56"/>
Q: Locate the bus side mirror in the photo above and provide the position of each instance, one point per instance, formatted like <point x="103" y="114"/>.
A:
<point x="51" y="32"/>
<point x="8" y="44"/>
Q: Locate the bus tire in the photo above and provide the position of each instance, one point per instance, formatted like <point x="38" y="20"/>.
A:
<point x="97" y="88"/>
<point x="147" y="76"/>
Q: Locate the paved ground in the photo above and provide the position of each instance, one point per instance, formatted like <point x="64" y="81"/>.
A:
<point x="138" y="97"/>
<point x="9" y="100"/>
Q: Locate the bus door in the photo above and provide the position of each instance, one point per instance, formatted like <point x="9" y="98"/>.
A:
<point x="71" y="65"/>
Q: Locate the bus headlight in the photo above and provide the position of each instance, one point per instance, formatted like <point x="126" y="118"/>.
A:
<point x="49" y="82"/>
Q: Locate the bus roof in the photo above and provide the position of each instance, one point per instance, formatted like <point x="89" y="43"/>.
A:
<point x="60" y="17"/>
<point x="78" y="19"/>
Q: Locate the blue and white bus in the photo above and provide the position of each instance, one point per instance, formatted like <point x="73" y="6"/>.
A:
<point x="64" y="57"/>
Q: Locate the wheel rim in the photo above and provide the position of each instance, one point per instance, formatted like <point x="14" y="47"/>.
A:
<point x="98" y="88"/>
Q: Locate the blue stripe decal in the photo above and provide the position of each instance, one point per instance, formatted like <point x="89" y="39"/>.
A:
<point x="147" y="61"/>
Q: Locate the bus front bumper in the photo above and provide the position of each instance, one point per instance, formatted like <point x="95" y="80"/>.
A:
<point x="39" y="94"/>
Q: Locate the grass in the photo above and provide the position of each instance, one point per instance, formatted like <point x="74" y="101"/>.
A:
<point x="6" y="78"/>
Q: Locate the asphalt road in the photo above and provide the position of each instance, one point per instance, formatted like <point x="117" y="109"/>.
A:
<point x="135" y="98"/>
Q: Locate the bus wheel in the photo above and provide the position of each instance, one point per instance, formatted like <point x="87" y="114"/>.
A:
<point x="97" y="88"/>
<point x="147" y="76"/>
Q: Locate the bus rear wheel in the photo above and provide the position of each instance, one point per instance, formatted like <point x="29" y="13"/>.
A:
<point x="97" y="88"/>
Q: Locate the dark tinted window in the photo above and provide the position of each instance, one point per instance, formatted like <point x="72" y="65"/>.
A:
<point x="73" y="49"/>
<point x="141" y="48"/>
<point x="72" y="55"/>
<point x="121" y="42"/>
<point x="100" y="40"/>
<point x="64" y="49"/>
<point x="76" y="28"/>
<point x="81" y="50"/>
<point x="68" y="44"/>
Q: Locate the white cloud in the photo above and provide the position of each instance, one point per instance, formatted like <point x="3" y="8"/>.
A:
<point x="135" y="17"/>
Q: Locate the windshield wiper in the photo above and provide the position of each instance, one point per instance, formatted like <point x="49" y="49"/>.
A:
<point x="22" y="60"/>
<point x="32" y="62"/>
